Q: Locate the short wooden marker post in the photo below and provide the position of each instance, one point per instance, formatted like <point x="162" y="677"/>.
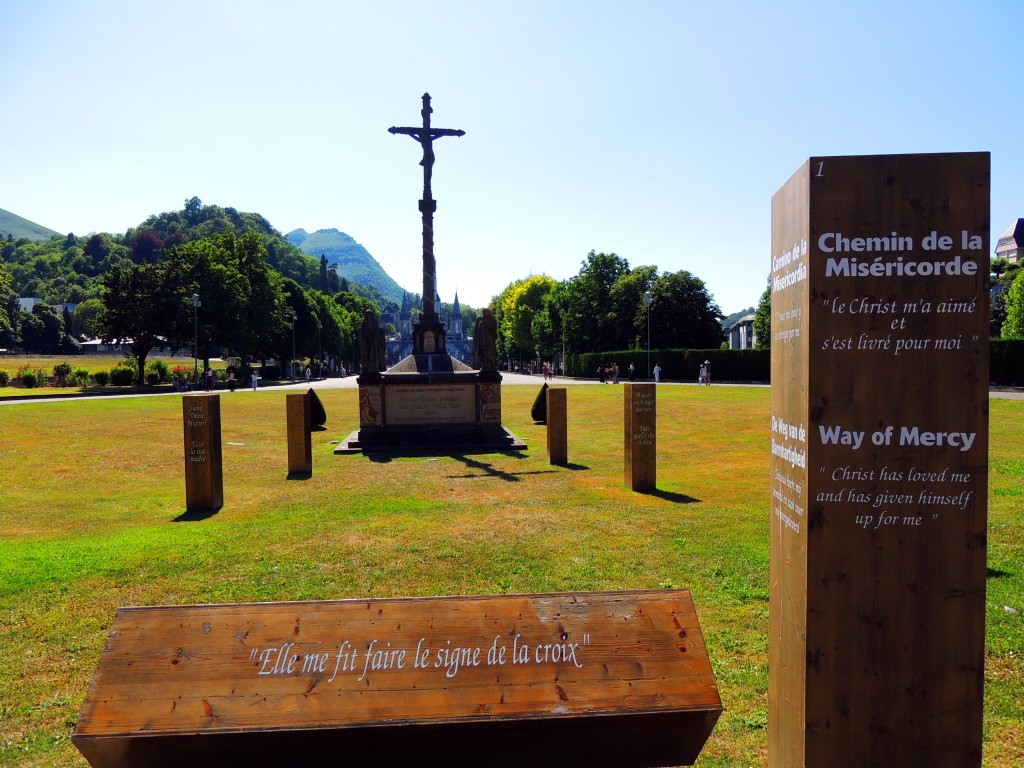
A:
<point x="300" y="440"/>
<point x="559" y="680"/>
<point x="204" y="468"/>
<point x="879" y="462"/>
<point x="641" y="418"/>
<point x="557" y="418"/>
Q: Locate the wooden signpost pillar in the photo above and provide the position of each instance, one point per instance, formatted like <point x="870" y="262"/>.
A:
<point x="558" y="450"/>
<point x="204" y="474"/>
<point x="878" y="473"/>
<point x="300" y="440"/>
<point x="640" y="432"/>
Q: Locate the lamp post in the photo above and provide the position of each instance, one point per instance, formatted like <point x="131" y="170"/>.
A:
<point x="291" y="366"/>
<point x="647" y="300"/>
<point x="319" y="348"/>
<point x="196" y="304"/>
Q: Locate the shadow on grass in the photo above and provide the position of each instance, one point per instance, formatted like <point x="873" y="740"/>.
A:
<point x="574" y="467"/>
<point x="995" y="573"/>
<point x="489" y="470"/>
<point x="675" y="498"/>
<point x="195" y="517"/>
<point x="299" y="475"/>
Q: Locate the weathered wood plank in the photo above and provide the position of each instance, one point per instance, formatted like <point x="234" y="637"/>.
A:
<point x="555" y="679"/>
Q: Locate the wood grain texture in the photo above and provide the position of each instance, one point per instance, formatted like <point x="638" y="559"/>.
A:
<point x="300" y="439"/>
<point x="640" y="425"/>
<point x="878" y="541"/>
<point x="204" y="468"/>
<point x="557" y="426"/>
<point x="598" y="670"/>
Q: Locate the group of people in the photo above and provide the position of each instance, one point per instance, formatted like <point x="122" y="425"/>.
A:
<point x="609" y="374"/>
<point x="703" y="377"/>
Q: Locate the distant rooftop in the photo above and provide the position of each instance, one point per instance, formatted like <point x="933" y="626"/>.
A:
<point x="1011" y="243"/>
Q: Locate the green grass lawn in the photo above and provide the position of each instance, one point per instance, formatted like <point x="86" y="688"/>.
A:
<point x="92" y="488"/>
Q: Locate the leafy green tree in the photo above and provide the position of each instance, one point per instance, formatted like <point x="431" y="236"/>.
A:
<point x="627" y="317"/>
<point x="6" y="296"/>
<point x="1004" y="279"/>
<point x="763" y="320"/>
<point x="42" y="330"/>
<point x="85" y="318"/>
<point x="683" y="314"/>
<point x="1013" y="326"/>
<point x="587" y="305"/>
<point x="520" y="302"/>
<point x="193" y="209"/>
<point x="139" y="309"/>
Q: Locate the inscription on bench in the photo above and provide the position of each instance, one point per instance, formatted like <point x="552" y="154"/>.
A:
<point x="626" y="668"/>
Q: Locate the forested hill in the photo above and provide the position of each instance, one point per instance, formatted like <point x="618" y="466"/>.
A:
<point x="61" y="268"/>
<point x="353" y="261"/>
<point x="17" y="227"/>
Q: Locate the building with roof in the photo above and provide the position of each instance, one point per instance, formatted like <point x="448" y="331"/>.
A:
<point x="741" y="333"/>
<point x="1011" y="243"/>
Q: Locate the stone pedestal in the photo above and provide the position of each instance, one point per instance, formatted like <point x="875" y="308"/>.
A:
<point x="641" y="447"/>
<point x="300" y="440"/>
<point x="558" y="446"/>
<point x="204" y="475"/>
<point x="878" y="469"/>
<point x="430" y="403"/>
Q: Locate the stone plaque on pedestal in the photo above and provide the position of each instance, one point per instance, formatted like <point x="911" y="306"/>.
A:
<point x="300" y="439"/>
<point x="558" y="450"/>
<point x="641" y="450"/>
<point x="878" y="469"/>
<point x="204" y="475"/>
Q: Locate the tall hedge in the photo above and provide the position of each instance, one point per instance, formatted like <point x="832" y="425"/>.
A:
<point x="1006" y="363"/>
<point x="679" y="364"/>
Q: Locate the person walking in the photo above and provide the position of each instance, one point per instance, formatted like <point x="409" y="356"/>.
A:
<point x="255" y="380"/>
<point x="657" y="373"/>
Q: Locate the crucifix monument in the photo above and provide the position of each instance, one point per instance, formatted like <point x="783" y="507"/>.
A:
<point x="428" y="334"/>
<point x="430" y="401"/>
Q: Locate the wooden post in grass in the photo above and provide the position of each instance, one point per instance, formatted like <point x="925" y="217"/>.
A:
<point x="558" y="450"/>
<point x="878" y="469"/>
<point x="300" y="441"/>
<point x="641" y="454"/>
<point x="204" y="475"/>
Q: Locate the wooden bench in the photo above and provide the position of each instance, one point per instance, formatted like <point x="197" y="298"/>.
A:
<point x="561" y="680"/>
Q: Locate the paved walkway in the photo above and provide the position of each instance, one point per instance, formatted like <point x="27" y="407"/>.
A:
<point x="508" y="379"/>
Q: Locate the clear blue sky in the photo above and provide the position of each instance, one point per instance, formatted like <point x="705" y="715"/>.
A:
<point x="657" y="130"/>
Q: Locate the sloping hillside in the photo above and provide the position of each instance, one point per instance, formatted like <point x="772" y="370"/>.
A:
<point x="354" y="262"/>
<point x="17" y="227"/>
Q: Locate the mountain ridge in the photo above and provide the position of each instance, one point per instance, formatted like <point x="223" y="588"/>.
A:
<point x="18" y="227"/>
<point x="353" y="261"/>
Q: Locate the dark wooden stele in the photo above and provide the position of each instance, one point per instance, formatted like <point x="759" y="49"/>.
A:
<point x="557" y="425"/>
<point x="300" y="437"/>
<point x="640" y="426"/>
<point x="576" y="679"/>
<point x="878" y="472"/>
<point x="204" y="467"/>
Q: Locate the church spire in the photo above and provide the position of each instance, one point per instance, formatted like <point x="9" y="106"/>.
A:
<point x="456" y="316"/>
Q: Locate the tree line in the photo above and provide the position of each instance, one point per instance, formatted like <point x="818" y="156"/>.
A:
<point x="607" y="306"/>
<point x="1006" y="317"/>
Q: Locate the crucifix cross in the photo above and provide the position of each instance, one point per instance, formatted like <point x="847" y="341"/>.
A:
<point x="425" y="136"/>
